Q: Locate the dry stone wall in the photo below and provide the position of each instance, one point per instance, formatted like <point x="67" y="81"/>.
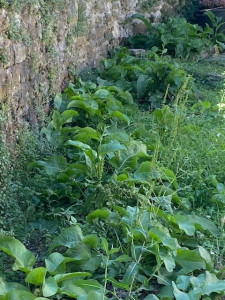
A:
<point x="44" y="42"/>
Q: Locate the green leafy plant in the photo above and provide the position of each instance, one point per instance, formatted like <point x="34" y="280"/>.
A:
<point x="176" y="37"/>
<point x="215" y="30"/>
<point x="150" y="250"/>
<point x="150" y="256"/>
<point x="152" y="80"/>
<point x="59" y="275"/>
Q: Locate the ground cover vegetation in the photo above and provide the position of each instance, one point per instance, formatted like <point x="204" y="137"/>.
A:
<point x="130" y="195"/>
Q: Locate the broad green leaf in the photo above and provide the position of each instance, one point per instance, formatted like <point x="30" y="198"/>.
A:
<point x="91" y="240"/>
<point x="6" y="287"/>
<point x="58" y="101"/>
<point x="162" y="190"/>
<point x="24" y="259"/>
<point x="166" y="293"/>
<point x="169" y="263"/>
<point x="183" y="282"/>
<point x="61" y="277"/>
<point x="80" y="288"/>
<point x="54" y="164"/>
<point x="68" y="115"/>
<point x="185" y="223"/>
<point x="56" y="262"/>
<point x="114" y="250"/>
<point x="131" y="216"/>
<point x="84" y="147"/>
<point x="105" y="246"/>
<point x="178" y="294"/>
<point x="204" y="224"/>
<point x="50" y="287"/>
<point x="216" y="287"/>
<point x="205" y="254"/>
<point x="169" y="175"/>
<point x="189" y="223"/>
<point x="88" y="284"/>
<point x="57" y="120"/>
<point x="121" y="116"/>
<point x="69" y="237"/>
<point x="87" y="133"/>
<point x="198" y="282"/>
<point x="102" y="213"/>
<point x="151" y="297"/>
<point x="143" y="173"/>
<point x="36" y="276"/>
<point x="118" y="284"/>
<point x="87" y="104"/>
<point x="162" y="235"/>
<point x="19" y="295"/>
<point x="102" y="93"/>
<point x="123" y="258"/>
<point x="142" y="84"/>
<point x="190" y="260"/>
<point x="114" y="105"/>
<point x="111" y="147"/>
<point x="79" y="253"/>
<point x="165" y="202"/>
<point x="130" y="274"/>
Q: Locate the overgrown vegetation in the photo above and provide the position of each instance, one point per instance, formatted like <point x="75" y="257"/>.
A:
<point x="133" y="201"/>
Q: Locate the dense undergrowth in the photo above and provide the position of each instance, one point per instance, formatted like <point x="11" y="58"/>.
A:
<point x="131" y="203"/>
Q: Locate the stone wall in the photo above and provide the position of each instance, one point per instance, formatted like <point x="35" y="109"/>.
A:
<point x="44" y="42"/>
